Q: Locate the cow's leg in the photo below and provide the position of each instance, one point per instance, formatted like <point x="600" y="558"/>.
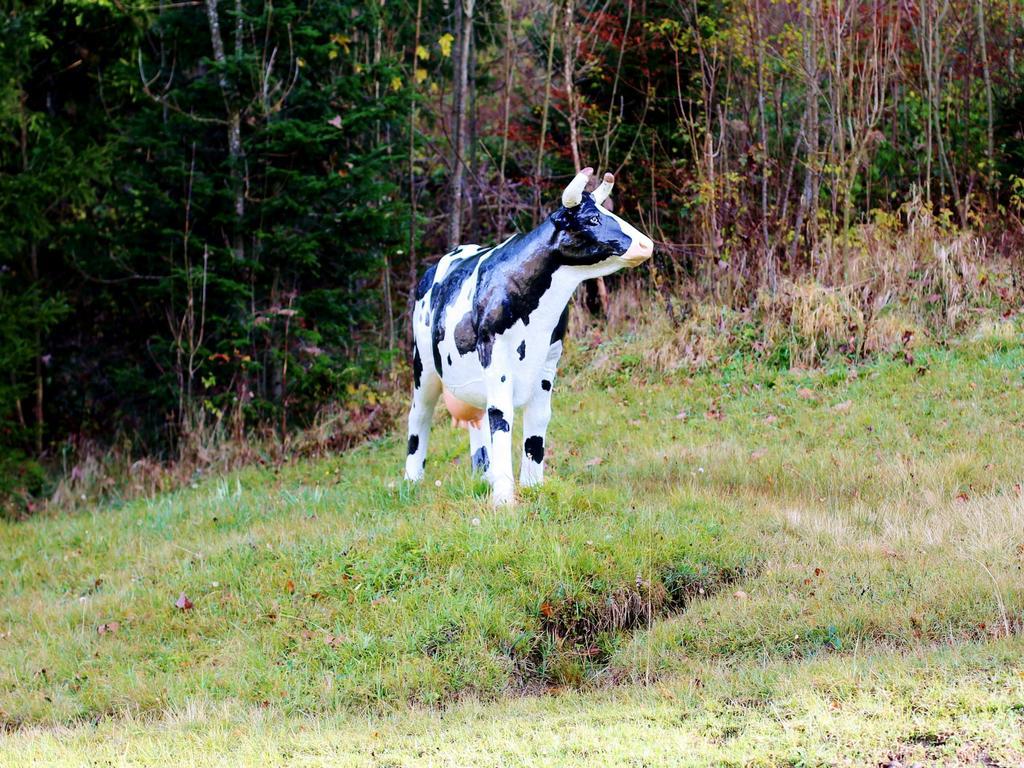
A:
<point x="479" y="448"/>
<point x="535" y="421"/>
<point x="499" y="426"/>
<point x="424" y="398"/>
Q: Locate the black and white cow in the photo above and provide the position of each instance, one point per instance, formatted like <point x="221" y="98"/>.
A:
<point x="488" y="327"/>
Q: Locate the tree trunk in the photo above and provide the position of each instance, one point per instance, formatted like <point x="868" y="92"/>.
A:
<point x="605" y="157"/>
<point x="236" y="154"/>
<point x="382" y="140"/>
<point x="990" y="146"/>
<point x="471" y="149"/>
<point x="39" y="361"/>
<point x="413" y="261"/>
<point x="505" y="113"/>
<point x="569" y="75"/>
<point x="538" y="166"/>
<point x="465" y="29"/>
<point x="769" y="251"/>
<point x="33" y="252"/>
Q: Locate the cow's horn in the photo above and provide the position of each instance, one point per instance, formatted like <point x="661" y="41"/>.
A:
<point x="602" y="192"/>
<point x="573" y="194"/>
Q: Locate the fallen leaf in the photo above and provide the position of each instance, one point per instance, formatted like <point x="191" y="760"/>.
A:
<point x="289" y="586"/>
<point x="771" y="418"/>
<point x="739" y="594"/>
<point x="760" y="453"/>
<point x="547" y="610"/>
<point x="962" y="497"/>
<point x="183" y="603"/>
<point x="805" y="394"/>
<point x="714" y="414"/>
<point x="593" y="462"/>
<point x="109" y="628"/>
<point x="843" y="407"/>
<point x="682" y="415"/>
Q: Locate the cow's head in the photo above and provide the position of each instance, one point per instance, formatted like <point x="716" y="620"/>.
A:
<point x="589" y="235"/>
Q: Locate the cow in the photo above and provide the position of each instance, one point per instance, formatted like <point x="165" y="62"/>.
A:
<point x="488" y="324"/>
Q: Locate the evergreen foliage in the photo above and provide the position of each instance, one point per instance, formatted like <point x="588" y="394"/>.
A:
<point x="214" y="211"/>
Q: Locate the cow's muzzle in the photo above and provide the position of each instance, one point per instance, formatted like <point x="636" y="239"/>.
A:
<point x="639" y="251"/>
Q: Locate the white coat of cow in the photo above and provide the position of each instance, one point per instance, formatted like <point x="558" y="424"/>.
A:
<point x="488" y="324"/>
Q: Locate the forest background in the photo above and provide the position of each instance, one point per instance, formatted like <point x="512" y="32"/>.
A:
<point x="214" y="211"/>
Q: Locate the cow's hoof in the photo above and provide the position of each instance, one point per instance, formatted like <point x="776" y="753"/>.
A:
<point x="530" y="479"/>
<point x="501" y="497"/>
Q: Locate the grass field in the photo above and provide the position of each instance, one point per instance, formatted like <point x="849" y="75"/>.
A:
<point x="741" y="566"/>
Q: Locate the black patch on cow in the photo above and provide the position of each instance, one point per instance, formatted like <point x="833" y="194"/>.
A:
<point x="497" y="419"/>
<point x="414" y="444"/>
<point x="417" y="366"/>
<point x="521" y="349"/>
<point x="444" y="295"/>
<point x="503" y="379"/>
<point x="558" y="333"/>
<point x="545" y="385"/>
<point x="481" y="461"/>
<point x="465" y="334"/>
<point x="510" y="285"/>
<point x="438" y="334"/>
<point x="449" y="361"/>
<point x="428" y="280"/>
<point x="534" y="447"/>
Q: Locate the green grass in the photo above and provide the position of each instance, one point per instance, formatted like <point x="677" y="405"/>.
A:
<point x="744" y="565"/>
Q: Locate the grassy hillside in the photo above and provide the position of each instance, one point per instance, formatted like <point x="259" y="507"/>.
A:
<point x="745" y="564"/>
